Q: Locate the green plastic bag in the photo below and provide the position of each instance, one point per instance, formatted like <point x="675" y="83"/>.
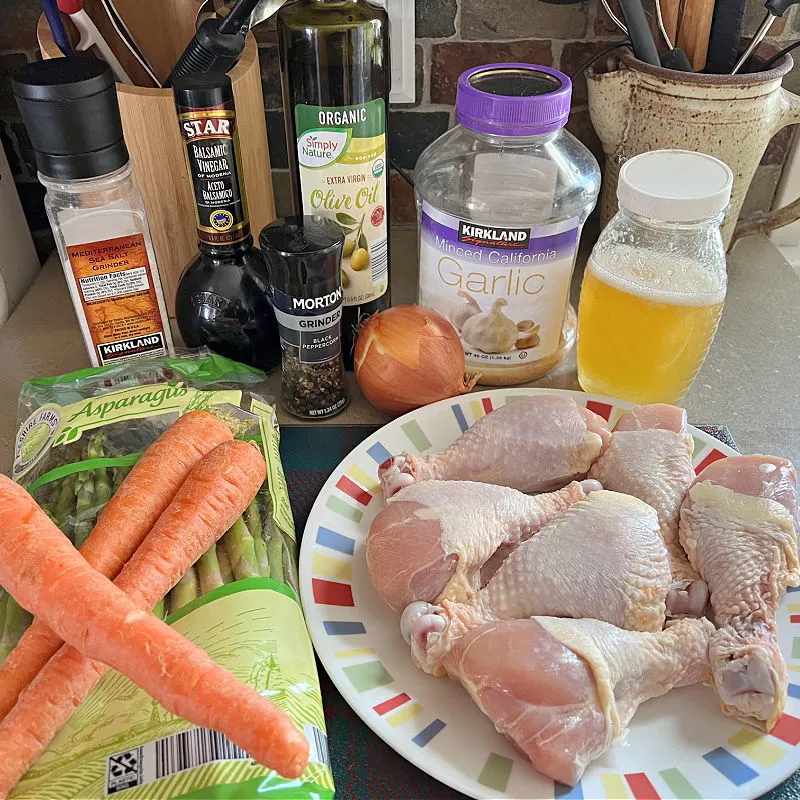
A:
<point x="78" y="437"/>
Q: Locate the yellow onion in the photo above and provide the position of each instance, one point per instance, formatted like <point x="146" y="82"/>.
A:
<point x="409" y="356"/>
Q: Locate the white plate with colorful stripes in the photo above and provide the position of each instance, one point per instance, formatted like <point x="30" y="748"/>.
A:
<point x="679" y="746"/>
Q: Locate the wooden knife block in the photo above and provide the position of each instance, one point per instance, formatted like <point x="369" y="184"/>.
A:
<point x="151" y="132"/>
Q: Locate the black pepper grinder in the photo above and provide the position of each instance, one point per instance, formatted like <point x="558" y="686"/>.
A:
<point x="303" y="256"/>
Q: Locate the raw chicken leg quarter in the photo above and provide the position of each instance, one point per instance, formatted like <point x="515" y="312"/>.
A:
<point x="431" y="540"/>
<point x="533" y="444"/>
<point x="738" y="526"/>
<point x="650" y="457"/>
<point x="564" y="690"/>
<point x="603" y="558"/>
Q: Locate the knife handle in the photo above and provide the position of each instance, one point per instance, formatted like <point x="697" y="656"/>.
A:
<point x="57" y="28"/>
<point x="644" y="46"/>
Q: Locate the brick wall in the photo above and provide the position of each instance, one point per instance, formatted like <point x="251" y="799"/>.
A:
<point x="451" y="36"/>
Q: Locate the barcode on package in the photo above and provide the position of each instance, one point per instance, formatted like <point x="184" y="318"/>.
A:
<point x="379" y="256"/>
<point x="167" y="756"/>
<point x="318" y="745"/>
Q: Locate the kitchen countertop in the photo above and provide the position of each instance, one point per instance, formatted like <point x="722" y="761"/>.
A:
<point x="750" y="381"/>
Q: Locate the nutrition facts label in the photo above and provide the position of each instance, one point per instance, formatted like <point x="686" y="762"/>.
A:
<point x="118" y="298"/>
<point x="114" y="284"/>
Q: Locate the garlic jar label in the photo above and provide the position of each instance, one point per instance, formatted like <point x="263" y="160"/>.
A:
<point x="504" y="288"/>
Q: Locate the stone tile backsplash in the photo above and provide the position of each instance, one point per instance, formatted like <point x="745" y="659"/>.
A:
<point x="451" y="36"/>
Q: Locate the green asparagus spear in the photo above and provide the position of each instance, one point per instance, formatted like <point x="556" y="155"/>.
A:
<point x="274" y="540"/>
<point x="241" y="550"/>
<point x="3" y="607"/>
<point x="84" y="506"/>
<point x="252" y="516"/>
<point x="64" y="508"/>
<point x="275" y="554"/>
<point x="262" y="555"/>
<point x="253" y="519"/>
<point x="186" y="590"/>
<point x="289" y="564"/>
<point x="120" y="473"/>
<point x="159" y="609"/>
<point x="224" y="560"/>
<point x="17" y="622"/>
<point x="209" y="571"/>
<point x="102" y="485"/>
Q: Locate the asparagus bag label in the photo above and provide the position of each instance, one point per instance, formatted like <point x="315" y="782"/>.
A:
<point x="121" y="743"/>
<point x="504" y="288"/>
<point x="80" y="435"/>
<point x="341" y="156"/>
<point x="69" y="423"/>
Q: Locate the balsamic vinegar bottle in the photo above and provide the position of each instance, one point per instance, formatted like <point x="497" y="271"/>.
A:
<point x="222" y="298"/>
<point x="335" y="78"/>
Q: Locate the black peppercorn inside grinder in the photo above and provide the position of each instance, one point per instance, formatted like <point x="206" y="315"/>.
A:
<point x="303" y="256"/>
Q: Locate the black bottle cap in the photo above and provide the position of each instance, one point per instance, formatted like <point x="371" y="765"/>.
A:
<point x="70" y="108"/>
<point x="202" y="90"/>
<point x="303" y="255"/>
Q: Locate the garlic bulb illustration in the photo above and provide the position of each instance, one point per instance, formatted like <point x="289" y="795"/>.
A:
<point x="464" y="311"/>
<point x="491" y="331"/>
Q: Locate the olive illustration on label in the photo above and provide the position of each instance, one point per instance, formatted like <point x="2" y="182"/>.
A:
<point x="356" y="247"/>
<point x="345" y="279"/>
<point x="360" y="259"/>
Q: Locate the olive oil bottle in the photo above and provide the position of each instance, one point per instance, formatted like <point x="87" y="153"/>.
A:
<point x="335" y="77"/>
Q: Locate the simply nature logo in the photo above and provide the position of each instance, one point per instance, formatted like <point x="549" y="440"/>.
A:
<point x="320" y="148"/>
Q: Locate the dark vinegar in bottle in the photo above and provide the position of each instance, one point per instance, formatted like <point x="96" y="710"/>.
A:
<point x="222" y="299"/>
<point x="335" y="76"/>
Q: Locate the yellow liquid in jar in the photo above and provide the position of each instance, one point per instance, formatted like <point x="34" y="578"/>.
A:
<point x="644" y="346"/>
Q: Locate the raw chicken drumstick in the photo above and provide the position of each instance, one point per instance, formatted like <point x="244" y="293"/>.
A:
<point x="564" y="690"/>
<point x="534" y="444"/>
<point x="602" y="558"/>
<point x="431" y="541"/>
<point x="650" y="457"/>
<point x="738" y="525"/>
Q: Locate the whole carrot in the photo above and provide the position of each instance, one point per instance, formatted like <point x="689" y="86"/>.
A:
<point x="130" y="514"/>
<point x="90" y="612"/>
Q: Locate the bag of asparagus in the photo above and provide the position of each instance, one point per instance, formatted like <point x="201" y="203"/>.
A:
<point x="78" y="437"/>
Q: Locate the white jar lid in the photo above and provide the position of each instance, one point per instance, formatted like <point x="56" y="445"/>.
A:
<point x="675" y="185"/>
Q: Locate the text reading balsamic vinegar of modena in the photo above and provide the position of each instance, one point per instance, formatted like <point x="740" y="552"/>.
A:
<point x="214" y="159"/>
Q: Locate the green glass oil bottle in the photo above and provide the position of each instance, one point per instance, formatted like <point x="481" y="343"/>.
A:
<point x="335" y="75"/>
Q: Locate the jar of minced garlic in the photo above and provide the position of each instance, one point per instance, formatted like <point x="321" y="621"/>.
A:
<point x="502" y="198"/>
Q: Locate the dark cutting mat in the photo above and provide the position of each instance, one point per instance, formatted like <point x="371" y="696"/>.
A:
<point x="364" y="766"/>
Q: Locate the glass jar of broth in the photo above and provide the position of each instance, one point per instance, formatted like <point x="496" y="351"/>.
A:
<point x="655" y="283"/>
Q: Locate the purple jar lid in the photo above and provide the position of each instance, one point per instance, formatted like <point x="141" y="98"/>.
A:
<point x="513" y="99"/>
